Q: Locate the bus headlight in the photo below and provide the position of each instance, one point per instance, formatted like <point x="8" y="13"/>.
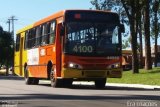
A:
<point x="71" y="65"/>
<point x="115" y="65"/>
<point x="74" y="65"/>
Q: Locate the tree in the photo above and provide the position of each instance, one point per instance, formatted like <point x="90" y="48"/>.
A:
<point x="134" y="10"/>
<point x="126" y="43"/>
<point x="148" y="64"/>
<point x="6" y="49"/>
<point x="130" y="10"/>
<point x="102" y="4"/>
<point x="130" y="7"/>
<point x="155" y="27"/>
<point x="140" y="22"/>
<point x="1" y="58"/>
<point x="1" y="30"/>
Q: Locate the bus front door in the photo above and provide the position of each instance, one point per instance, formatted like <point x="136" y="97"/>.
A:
<point x="58" y="50"/>
<point x="21" y="56"/>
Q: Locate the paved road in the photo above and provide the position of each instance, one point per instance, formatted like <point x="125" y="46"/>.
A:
<point x="15" y="93"/>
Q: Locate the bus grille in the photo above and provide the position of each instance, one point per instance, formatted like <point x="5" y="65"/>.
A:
<point x="94" y="73"/>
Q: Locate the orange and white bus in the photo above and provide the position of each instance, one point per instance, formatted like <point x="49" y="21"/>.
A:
<point x="70" y="45"/>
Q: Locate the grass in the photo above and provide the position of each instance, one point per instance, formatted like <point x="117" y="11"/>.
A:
<point x="147" y="77"/>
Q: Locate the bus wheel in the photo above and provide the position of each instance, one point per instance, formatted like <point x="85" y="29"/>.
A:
<point x="100" y="83"/>
<point x="28" y="80"/>
<point x="35" y="81"/>
<point x="67" y="82"/>
<point x="54" y="81"/>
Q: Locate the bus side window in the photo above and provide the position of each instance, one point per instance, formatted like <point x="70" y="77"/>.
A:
<point x="31" y="38"/>
<point x="48" y="32"/>
<point x="52" y="33"/>
<point x="26" y="40"/>
<point x="17" y="42"/>
<point x="33" y="34"/>
<point x="44" y="34"/>
<point x="38" y="35"/>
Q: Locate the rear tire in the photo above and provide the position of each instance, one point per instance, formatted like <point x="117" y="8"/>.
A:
<point x="100" y="83"/>
<point x="35" y="81"/>
<point x="28" y="80"/>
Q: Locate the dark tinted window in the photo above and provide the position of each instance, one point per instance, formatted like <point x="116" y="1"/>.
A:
<point x="44" y="34"/>
<point x="17" y="42"/>
<point x="41" y="35"/>
<point x="91" y="16"/>
<point x="30" y="40"/>
<point x="38" y="35"/>
<point x="52" y="29"/>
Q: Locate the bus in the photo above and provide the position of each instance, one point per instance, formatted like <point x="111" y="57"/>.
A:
<point x="70" y="45"/>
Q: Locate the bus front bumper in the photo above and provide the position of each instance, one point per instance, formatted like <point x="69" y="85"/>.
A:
<point x="77" y="73"/>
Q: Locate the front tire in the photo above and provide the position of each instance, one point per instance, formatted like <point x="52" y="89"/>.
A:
<point x="35" y="81"/>
<point x="67" y="82"/>
<point x="100" y="83"/>
<point x="54" y="81"/>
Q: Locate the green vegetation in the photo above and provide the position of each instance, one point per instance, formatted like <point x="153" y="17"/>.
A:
<point x="139" y="16"/>
<point x="147" y="77"/>
<point x="6" y="49"/>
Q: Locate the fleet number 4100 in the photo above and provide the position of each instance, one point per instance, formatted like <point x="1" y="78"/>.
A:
<point x="83" y="49"/>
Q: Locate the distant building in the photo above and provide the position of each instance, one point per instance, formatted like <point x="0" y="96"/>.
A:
<point x="153" y="49"/>
<point x="158" y="54"/>
<point x="127" y="59"/>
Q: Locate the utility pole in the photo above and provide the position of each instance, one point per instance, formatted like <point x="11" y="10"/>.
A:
<point x="12" y="19"/>
<point x="9" y="24"/>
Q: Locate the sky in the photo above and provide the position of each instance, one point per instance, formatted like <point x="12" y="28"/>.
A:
<point x="30" y="11"/>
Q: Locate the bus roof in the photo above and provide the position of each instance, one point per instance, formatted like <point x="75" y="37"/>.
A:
<point x="56" y="15"/>
<point x="25" y="28"/>
<point x="51" y="17"/>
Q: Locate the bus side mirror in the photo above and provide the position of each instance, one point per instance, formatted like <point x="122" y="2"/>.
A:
<point x="62" y="31"/>
<point x="122" y="29"/>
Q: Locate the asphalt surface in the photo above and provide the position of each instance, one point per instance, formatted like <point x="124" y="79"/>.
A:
<point x="14" y="93"/>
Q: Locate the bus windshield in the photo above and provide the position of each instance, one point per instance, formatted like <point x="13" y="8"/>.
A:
<point x="92" y="39"/>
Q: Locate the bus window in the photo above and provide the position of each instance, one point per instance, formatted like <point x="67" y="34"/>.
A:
<point x="30" y="38"/>
<point x="33" y="34"/>
<point x="38" y="35"/>
<point x="44" y="34"/>
<point x="115" y="35"/>
<point x="17" y="42"/>
<point x="26" y="40"/>
<point x="52" y="33"/>
<point x="48" y="25"/>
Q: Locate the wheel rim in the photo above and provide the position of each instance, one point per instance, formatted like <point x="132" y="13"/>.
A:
<point x="26" y="75"/>
<point x="52" y="77"/>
